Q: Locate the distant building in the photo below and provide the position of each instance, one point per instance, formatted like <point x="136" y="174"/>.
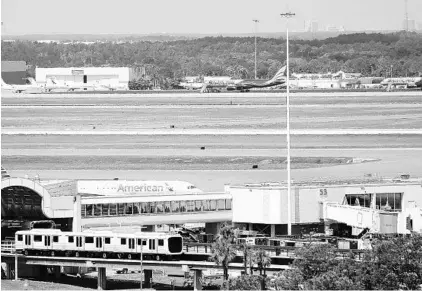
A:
<point x="314" y="26"/>
<point x="411" y="25"/>
<point x="14" y="72"/>
<point x="114" y="77"/>
<point x="419" y="25"/>
<point x="332" y="28"/>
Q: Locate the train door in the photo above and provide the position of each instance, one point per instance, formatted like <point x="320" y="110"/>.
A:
<point x="78" y="242"/>
<point x="131" y="244"/>
<point x="27" y="241"/>
<point x="47" y="242"/>
<point x="152" y="245"/>
<point x="99" y="243"/>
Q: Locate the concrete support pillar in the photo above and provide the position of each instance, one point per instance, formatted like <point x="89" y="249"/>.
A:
<point x="76" y="223"/>
<point x="148" y="278"/>
<point x="57" y="272"/>
<point x="16" y="267"/>
<point x="197" y="283"/>
<point x="250" y="226"/>
<point x="272" y="230"/>
<point x="102" y="279"/>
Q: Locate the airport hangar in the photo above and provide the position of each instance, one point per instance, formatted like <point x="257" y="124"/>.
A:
<point x="261" y="207"/>
<point x="116" y="77"/>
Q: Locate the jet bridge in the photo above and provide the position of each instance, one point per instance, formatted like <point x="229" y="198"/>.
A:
<point x="375" y="220"/>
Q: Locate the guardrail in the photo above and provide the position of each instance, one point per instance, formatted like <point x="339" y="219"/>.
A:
<point x="7" y="246"/>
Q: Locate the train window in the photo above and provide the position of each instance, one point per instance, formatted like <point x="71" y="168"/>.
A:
<point x="221" y="203"/>
<point x="20" y="237"/>
<point x="175" y="244"/>
<point x="107" y="240"/>
<point x="37" y="238"/>
<point x="123" y="241"/>
<point x="144" y="242"/>
<point x="228" y="204"/>
<point x="55" y="238"/>
<point x="113" y="209"/>
<point x="83" y="210"/>
<point x="70" y="239"/>
<point x="160" y="242"/>
<point x="145" y="207"/>
<point x="89" y="240"/>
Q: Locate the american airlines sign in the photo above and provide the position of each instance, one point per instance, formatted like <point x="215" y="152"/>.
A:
<point x="140" y="188"/>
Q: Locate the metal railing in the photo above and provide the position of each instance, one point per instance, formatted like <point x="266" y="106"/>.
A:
<point x="8" y="246"/>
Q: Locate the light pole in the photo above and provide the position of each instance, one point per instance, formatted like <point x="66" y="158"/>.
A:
<point x="256" y="23"/>
<point x="289" y="186"/>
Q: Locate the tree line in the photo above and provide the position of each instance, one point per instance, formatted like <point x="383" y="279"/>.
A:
<point x="372" y="54"/>
<point x="393" y="263"/>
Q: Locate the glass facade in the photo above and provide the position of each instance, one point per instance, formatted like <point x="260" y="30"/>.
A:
<point x="140" y="208"/>
<point x="383" y="201"/>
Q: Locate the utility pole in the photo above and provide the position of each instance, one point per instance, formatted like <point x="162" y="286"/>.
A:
<point x="256" y="24"/>
<point x="406" y="16"/>
<point x="289" y="186"/>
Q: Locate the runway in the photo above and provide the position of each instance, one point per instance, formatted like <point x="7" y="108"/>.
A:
<point x="129" y="137"/>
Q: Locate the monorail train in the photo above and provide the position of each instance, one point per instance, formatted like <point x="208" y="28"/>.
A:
<point x="101" y="244"/>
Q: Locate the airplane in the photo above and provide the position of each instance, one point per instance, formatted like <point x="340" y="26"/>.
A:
<point x="245" y="85"/>
<point x="32" y="87"/>
<point x="409" y="82"/>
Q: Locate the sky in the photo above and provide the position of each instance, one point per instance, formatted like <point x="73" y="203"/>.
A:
<point x="198" y="16"/>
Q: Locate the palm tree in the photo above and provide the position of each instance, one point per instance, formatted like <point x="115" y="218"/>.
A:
<point x="247" y="256"/>
<point x="223" y="250"/>
<point x="263" y="261"/>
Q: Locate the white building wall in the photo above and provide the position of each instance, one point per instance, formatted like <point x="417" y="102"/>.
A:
<point x="74" y="76"/>
<point x="268" y="205"/>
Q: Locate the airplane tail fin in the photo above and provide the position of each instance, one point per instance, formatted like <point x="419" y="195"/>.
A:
<point x="32" y="81"/>
<point x="280" y="75"/>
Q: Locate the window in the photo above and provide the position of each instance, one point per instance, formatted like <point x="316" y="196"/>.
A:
<point x="136" y="208"/>
<point x="20" y="238"/>
<point x="113" y="209"/>
<point x="190" y="206"/>
<point x="206" y="205"/>
<point x="175" y="206"/>
<point x="167" y="207"/>
<point x="129" y="208"/>
<point x="105" y="209"/>
<point x="160" y="207"/>
<point x="83" y="210"/>
<point x="107" y="240"/>
<point x="37" y="238"/>
<point x="152" y="207"/>
<point x="160" y="242"/>
<point x="89" y="240"/>
<point x="213" y="205"/>
<point x="97" y="209"/>
<point x="145" y="207"/>
<point x="55" y="238"/>
<point x="198" y="205"/>
<point x="70" y="239"/>
<point x="221" y="204"/>
<point x="389" y="201"/>
<point x="121" y="209"/>
<point x="362" y="200"/>
<point x="228" y="204"/>
<point x="88" y="210"/>
<point x="182" y="206"/>
<point x="123" y="241"/>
